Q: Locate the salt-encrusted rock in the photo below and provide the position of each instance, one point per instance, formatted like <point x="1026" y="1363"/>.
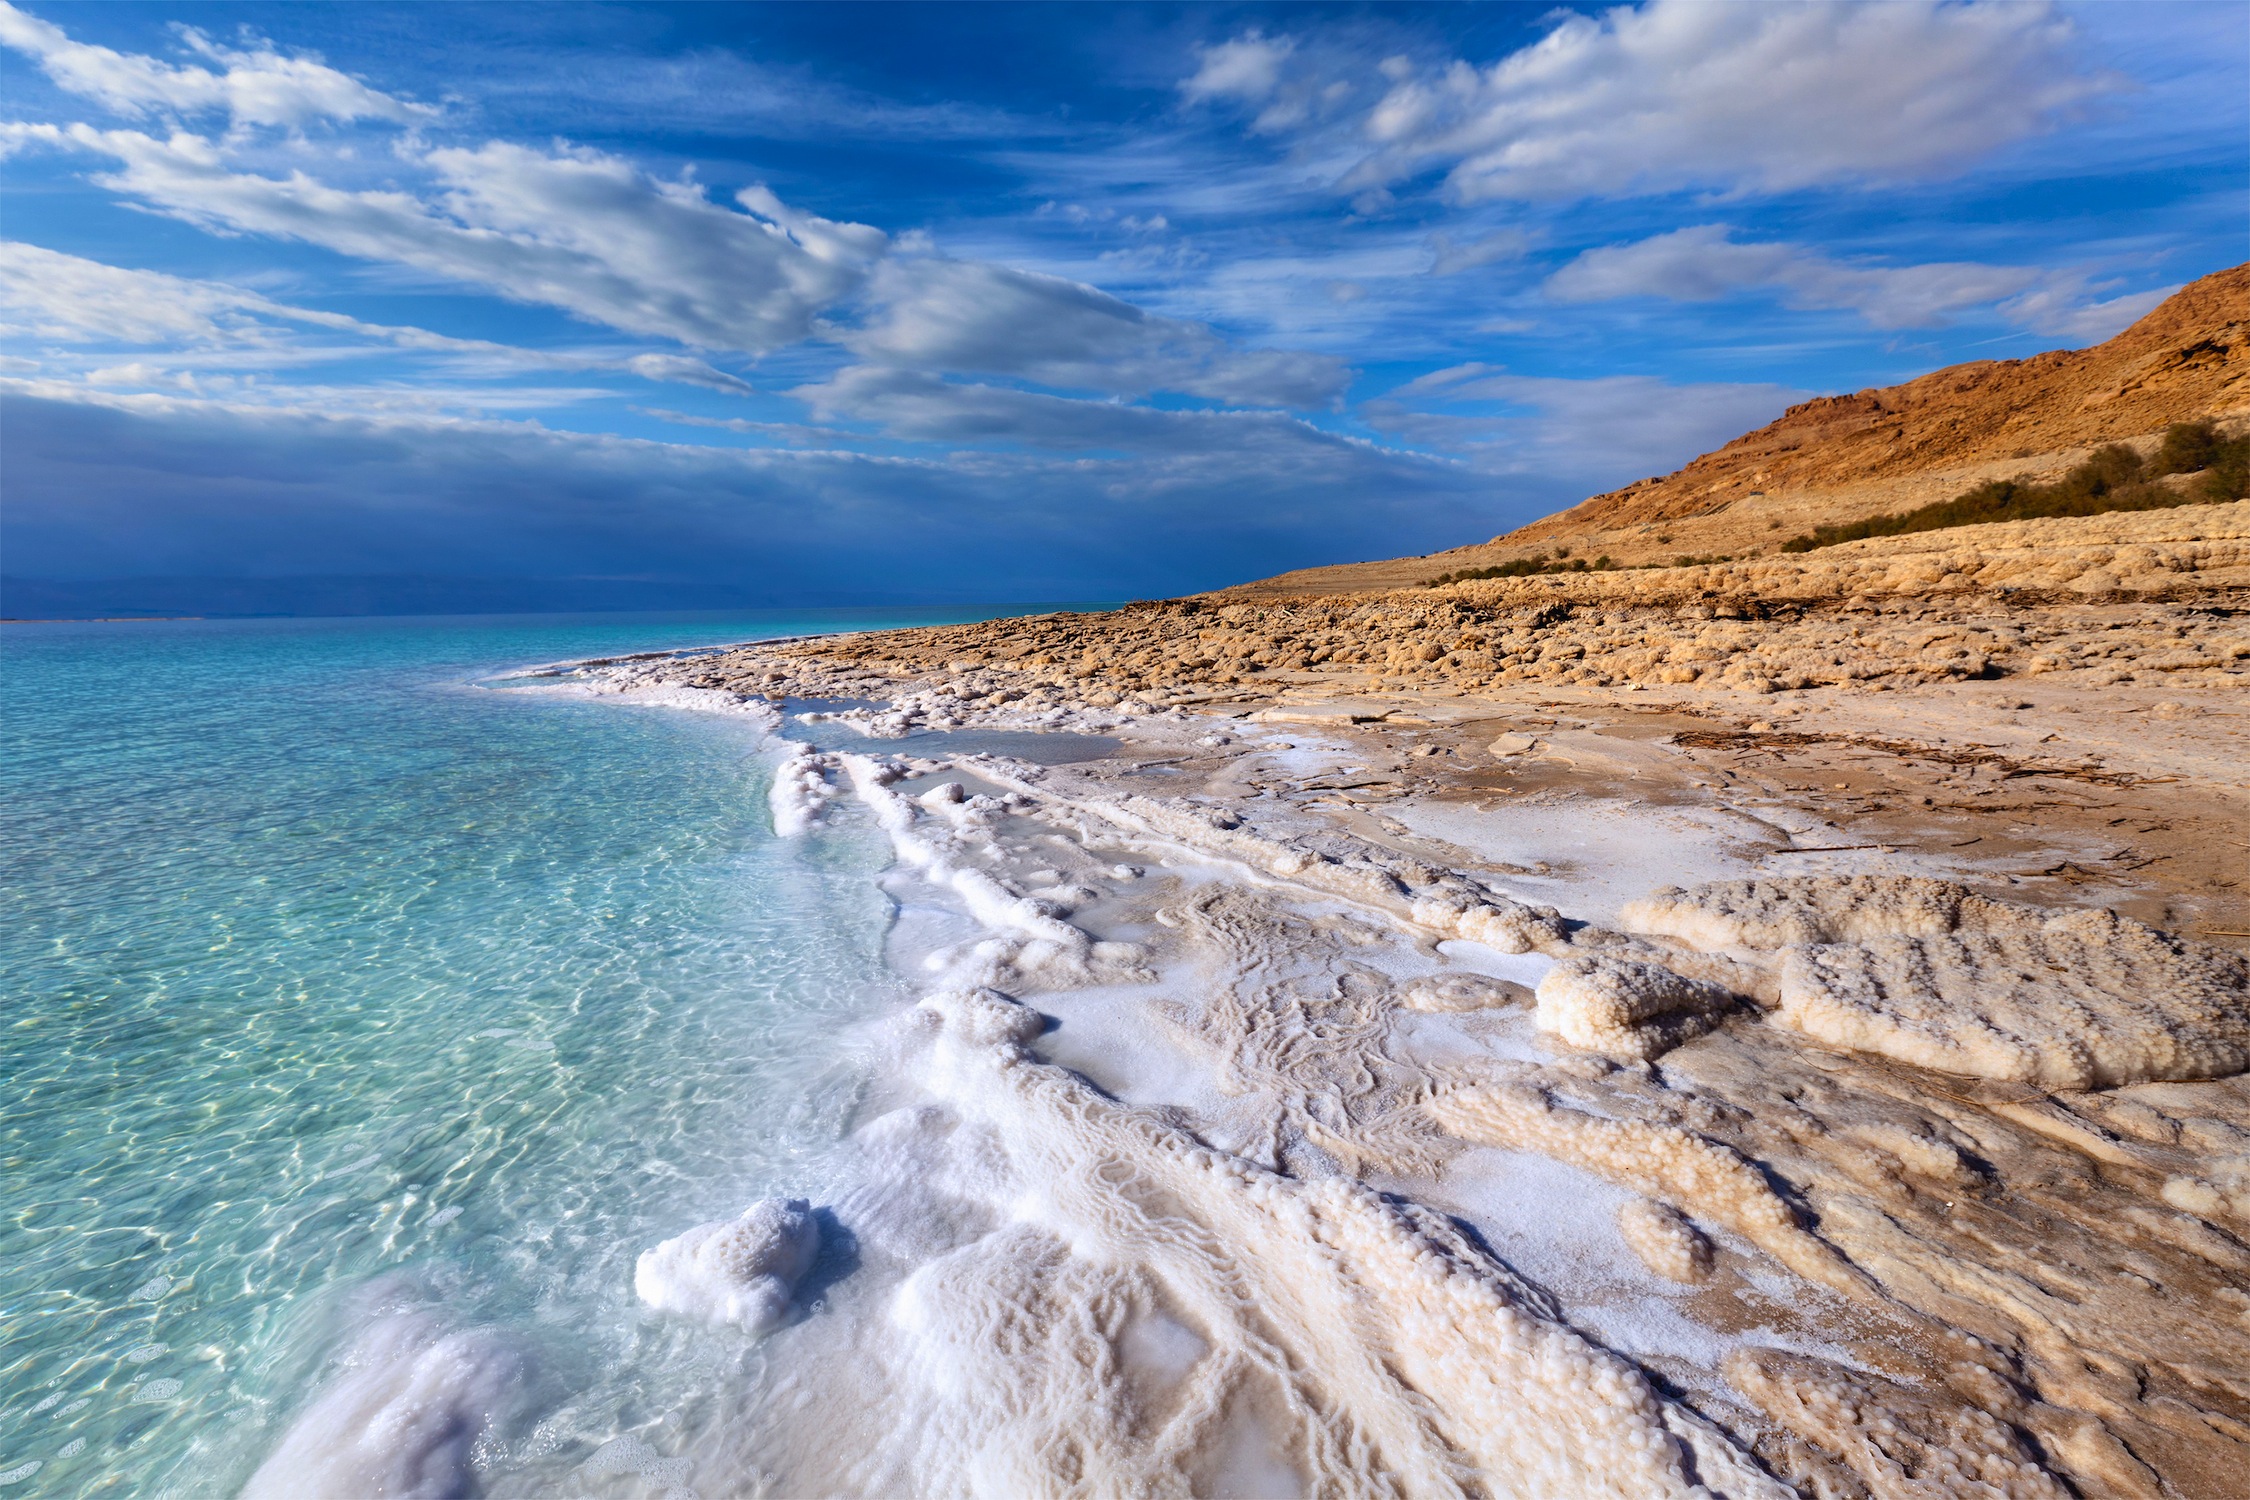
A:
<point x="1895" y="1440"/>
<point x="1786" y="912"/>
<point x="1624" y="1008"/>
<point x="1462" y="992"/>
<point x="1929" y="972"/>
<point x="2085" y="1001"/>
<point x="1665" y="1240"/>
<point x="1511" y="926"/>
<point x="742" y="1271"/>
<point x="799" y="791"/>
<point x="985" y="1018"/>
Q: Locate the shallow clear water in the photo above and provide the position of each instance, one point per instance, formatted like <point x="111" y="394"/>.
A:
<point x="330" y="975"/>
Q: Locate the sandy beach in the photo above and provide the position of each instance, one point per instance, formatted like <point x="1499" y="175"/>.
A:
<point x="1556" y="1071"/>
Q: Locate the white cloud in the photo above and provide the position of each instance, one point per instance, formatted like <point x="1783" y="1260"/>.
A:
<point x="685" y="371"/>
<point x="592" y="234"/>
<point x="50" y="295"/>
<point x="916" y="406"/>
<point x="939" y="314"/>
<point x="2060" y="307"/>
<point x="67" y="299"/>
<point x="1704" y="263"/>
<point x="1247" y="69"/>
<point x="257" y="86"/>
<point x="1286" y="86"/>
<point x="1702" y="94"/>
<point x="1450" y="257"/>
<point x="576" y="229"/>
<point x="1594" y="433"/>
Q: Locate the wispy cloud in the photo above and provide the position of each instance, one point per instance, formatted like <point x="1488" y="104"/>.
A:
<point x="912" y="404"/>
<point x="68" y="299"/>
<point x="1683" y="94"/>
<point x="1591" y="434"/>
<point x="573" y="228"/>
<point x="934" y="313"/>
<point x="1704" y="263"/>
<point x="255" y="85"/>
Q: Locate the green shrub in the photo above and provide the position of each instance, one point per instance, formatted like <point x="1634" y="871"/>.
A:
<point x="2227" y="476"/>
<point x="1525" y="567"/>
<point x="2187" y="448"/>
<point x="2111" y="479"/>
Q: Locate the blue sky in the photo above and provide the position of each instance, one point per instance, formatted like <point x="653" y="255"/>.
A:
<point x="900" y="303"/>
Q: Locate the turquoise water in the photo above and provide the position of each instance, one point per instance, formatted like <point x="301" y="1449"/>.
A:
<point x="334" y="980"/>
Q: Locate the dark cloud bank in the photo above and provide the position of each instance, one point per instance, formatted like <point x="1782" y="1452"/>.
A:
<point x="256" y="504"/>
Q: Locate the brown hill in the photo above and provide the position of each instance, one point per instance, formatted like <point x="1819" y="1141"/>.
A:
<point x="1838" y="458"/>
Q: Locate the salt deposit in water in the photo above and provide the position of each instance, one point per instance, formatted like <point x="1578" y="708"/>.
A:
<point x="403" y="1417"/>
<point x="742" y="1271"/>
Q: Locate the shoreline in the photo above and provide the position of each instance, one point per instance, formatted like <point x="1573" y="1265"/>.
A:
<point x="1927" y="1257"/>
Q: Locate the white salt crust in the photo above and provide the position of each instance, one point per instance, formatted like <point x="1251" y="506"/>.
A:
<point x="1383" y="1350"/>
<point x="403" y="1417"/>
<point x="1398" y="1356"/>
<point x="1662" y="1161"/>
<point x="1930" y="973"/>
<point x="1665" y="1240"/>
<point x="800" y="791"/>
<point x="742" y="1271"/>
<point x="1373" y="1345"/>
<point x="1625" y="1008"/>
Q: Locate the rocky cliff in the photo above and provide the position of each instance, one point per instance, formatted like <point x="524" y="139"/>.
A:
<point x="1837" y="458"/>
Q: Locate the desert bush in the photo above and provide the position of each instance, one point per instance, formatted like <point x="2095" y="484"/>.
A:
<point x="2187" y="448"/>
<point x="1525" y="567"/>
<point x="2110" y="479"/>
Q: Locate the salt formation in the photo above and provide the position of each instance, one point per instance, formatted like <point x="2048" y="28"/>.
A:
<point x="1624" y="1008"/>
<point x="405" y="1417"/>
<point x="799" y="791"/>
<point x="742" y="1271"/>
<point x="1665" y="1240"/>
<point x="2081" y="1004"/>
<point x="1790" y="912"/>
<point x="1047" y="947"/>
<point x="1663" y="1161"/>
<point x="1929" y="973"/>
<point x="1145" y="1291"/>
<point x="1461" y="992"/>
<point x="1900" y="1443"/>
<point x="1369" y="1345"/>
<point x="1382" y="1349"/>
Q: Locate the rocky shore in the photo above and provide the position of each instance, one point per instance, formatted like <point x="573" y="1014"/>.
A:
<point x="1881" y="916"/>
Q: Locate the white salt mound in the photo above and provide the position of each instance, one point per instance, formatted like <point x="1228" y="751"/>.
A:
<point x="1930" y="973"/>
<point x="2076" y="1005"/>
<point x="1461" y="992"/>
<point x="1664" y="1239"/>
<point x="742" y="1271"/>
<point x="1789" y="912"/>
<point x="405" y="1416"/>
<point x="985" y="1017"/>
<point x="799" y="792"/>
<point x="1624" y="1008"/>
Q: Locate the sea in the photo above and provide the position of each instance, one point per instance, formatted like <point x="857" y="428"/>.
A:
<point x="344" y="971"/>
